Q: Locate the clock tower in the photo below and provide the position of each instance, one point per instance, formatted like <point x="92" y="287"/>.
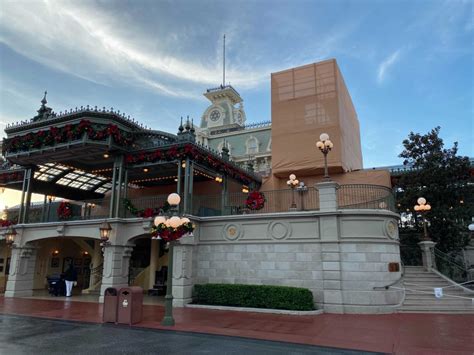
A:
<point x="226" y="108"/>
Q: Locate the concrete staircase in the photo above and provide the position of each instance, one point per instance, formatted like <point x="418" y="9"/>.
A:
<point x="417" y="278"/>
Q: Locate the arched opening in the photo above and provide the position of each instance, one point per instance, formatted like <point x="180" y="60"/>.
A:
<point x="148" y="267"/>
<point x="54" y="256"/>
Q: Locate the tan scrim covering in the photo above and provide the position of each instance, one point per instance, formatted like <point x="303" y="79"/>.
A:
<point x="307" y="101"/>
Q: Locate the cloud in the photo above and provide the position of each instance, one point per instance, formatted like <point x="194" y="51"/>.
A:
<point x="386" y="64"/>
<point x="93" y="45"/>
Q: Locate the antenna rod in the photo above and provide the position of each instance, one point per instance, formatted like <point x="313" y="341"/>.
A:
<point x="223" y="69"/>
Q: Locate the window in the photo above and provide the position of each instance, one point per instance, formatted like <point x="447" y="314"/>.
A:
<point x="252" y="145"/>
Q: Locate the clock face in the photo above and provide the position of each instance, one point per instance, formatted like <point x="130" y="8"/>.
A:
<point x="215" y="115"/>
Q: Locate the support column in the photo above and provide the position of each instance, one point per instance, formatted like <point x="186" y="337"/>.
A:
<point x="112" y="195"/>
<point x="183" y="281"/>
<point x="327" y="196"/>
<point x="427" y="254"/>
<point x="224" y="192"/>
<point x="178" y="184"/>
<point x="22" y="272"/>
<point x="119" y="187"/>
<point x="191" y="185"/>
<point x="29" y="185"/>
<point x="116" y="267"/>
<point x="154" y="255"/>
<point x="186" y="187"/>
<point x="330" y="248"/>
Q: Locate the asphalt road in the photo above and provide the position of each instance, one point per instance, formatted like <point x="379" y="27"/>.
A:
<point x="26" y="335"/>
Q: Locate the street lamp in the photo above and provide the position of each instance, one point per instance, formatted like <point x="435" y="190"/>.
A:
<point x="292" y="183"/>
<point x="325" y="146"/>
<point x="10" y="235"/>
<point x="422" y="207"/>
<point x="104" y="230"/>
<point x="2" y="189"/>
<point x="170" y="229"/>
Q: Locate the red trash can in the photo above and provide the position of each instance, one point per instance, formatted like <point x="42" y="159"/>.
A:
<point x="130" y="304"/>
<point x="110" y="305"/>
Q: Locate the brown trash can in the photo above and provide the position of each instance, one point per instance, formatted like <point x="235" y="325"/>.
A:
<point x="110" y="305"/>
<point x="130" y="304"/>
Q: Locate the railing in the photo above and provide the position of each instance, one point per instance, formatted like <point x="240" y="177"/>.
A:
<point x="450" y="266"/>
<point x="235" y="203"/>
<point x="361" y="196"/>
<point x="276" y="201"/>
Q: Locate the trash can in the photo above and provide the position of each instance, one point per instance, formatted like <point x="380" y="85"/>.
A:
<point x="130" y="303"/>
<point x="110" y="305"/>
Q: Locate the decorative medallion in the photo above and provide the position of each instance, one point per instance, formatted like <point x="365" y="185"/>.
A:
<point x="391" y="229"/>
<point x="279" y="230"/>
<point x="231" y="232"/>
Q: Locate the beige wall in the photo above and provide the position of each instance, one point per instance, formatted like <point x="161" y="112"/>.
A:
<point x="307" y="101"/>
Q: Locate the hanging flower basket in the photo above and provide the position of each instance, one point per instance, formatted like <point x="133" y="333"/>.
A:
<point x="64" y="211"/>
<point x="255" y="201"/>
<point x="171" y="229"/>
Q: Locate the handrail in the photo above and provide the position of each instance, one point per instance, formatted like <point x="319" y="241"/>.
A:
<point x="448" y="266"/>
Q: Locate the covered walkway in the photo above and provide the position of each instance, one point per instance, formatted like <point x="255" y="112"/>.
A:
<point x="392" y="333"/>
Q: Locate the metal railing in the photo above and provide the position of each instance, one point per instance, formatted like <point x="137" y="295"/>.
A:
<point x="450" y="266"/>
<point x="235" y="203"/>
<point x="362" y="196"/>
<point x="276" y="201"/>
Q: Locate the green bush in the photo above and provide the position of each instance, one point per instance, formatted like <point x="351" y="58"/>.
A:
<point x="254" y="296"/>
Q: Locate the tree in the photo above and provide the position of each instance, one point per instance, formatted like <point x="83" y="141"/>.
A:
<point x="445" y="180"/>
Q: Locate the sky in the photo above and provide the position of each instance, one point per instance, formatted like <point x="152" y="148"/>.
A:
<point x="408" y="65"/>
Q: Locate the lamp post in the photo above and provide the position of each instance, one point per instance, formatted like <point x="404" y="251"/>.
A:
<point x="423" y="207"/>
<point x="292" y="183"/>
<point x="325" y="146"/>
<point x="173" y="199"/>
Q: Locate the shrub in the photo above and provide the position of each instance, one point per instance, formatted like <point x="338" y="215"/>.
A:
<point x="254" y="296"/>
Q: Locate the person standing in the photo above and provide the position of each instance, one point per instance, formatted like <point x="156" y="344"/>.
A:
<point x="70" y="277"/>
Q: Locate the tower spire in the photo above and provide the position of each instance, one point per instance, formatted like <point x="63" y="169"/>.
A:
<point x="223" y="62"/>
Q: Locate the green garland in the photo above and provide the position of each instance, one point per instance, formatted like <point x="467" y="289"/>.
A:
<point x="147" y="212"/>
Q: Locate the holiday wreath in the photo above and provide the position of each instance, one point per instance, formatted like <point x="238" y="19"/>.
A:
<point x="255" y="200"/>
<point x="64" y="210"/>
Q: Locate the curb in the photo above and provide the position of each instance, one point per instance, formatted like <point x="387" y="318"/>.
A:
<point x="257" y="310"/>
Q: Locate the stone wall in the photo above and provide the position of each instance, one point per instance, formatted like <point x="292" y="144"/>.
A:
<point x="340" y="256"/>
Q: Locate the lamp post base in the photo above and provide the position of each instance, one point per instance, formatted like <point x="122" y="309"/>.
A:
<point x="168" y="321"/>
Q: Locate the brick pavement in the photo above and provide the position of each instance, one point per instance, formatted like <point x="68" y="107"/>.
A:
<point x="392" y="333"/>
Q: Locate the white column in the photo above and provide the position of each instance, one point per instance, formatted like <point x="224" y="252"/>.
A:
<point x="183" y="281"/>
<point x="327" y="196"/>
<point x="427" y="250"/>
<point x="116" y="267"/>
<point x="22" y="272"/>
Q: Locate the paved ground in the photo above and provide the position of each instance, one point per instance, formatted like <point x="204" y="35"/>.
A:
<point x="26" y="335"/>
<point x="392" y="333"/>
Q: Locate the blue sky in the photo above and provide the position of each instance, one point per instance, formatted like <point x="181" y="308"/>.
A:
<point x="408" y="64"/>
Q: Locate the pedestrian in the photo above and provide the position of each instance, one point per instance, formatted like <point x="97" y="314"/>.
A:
<point x="70" y="277"/>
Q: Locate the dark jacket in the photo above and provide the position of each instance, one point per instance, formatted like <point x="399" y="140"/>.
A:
<point x="70" y="274"/>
